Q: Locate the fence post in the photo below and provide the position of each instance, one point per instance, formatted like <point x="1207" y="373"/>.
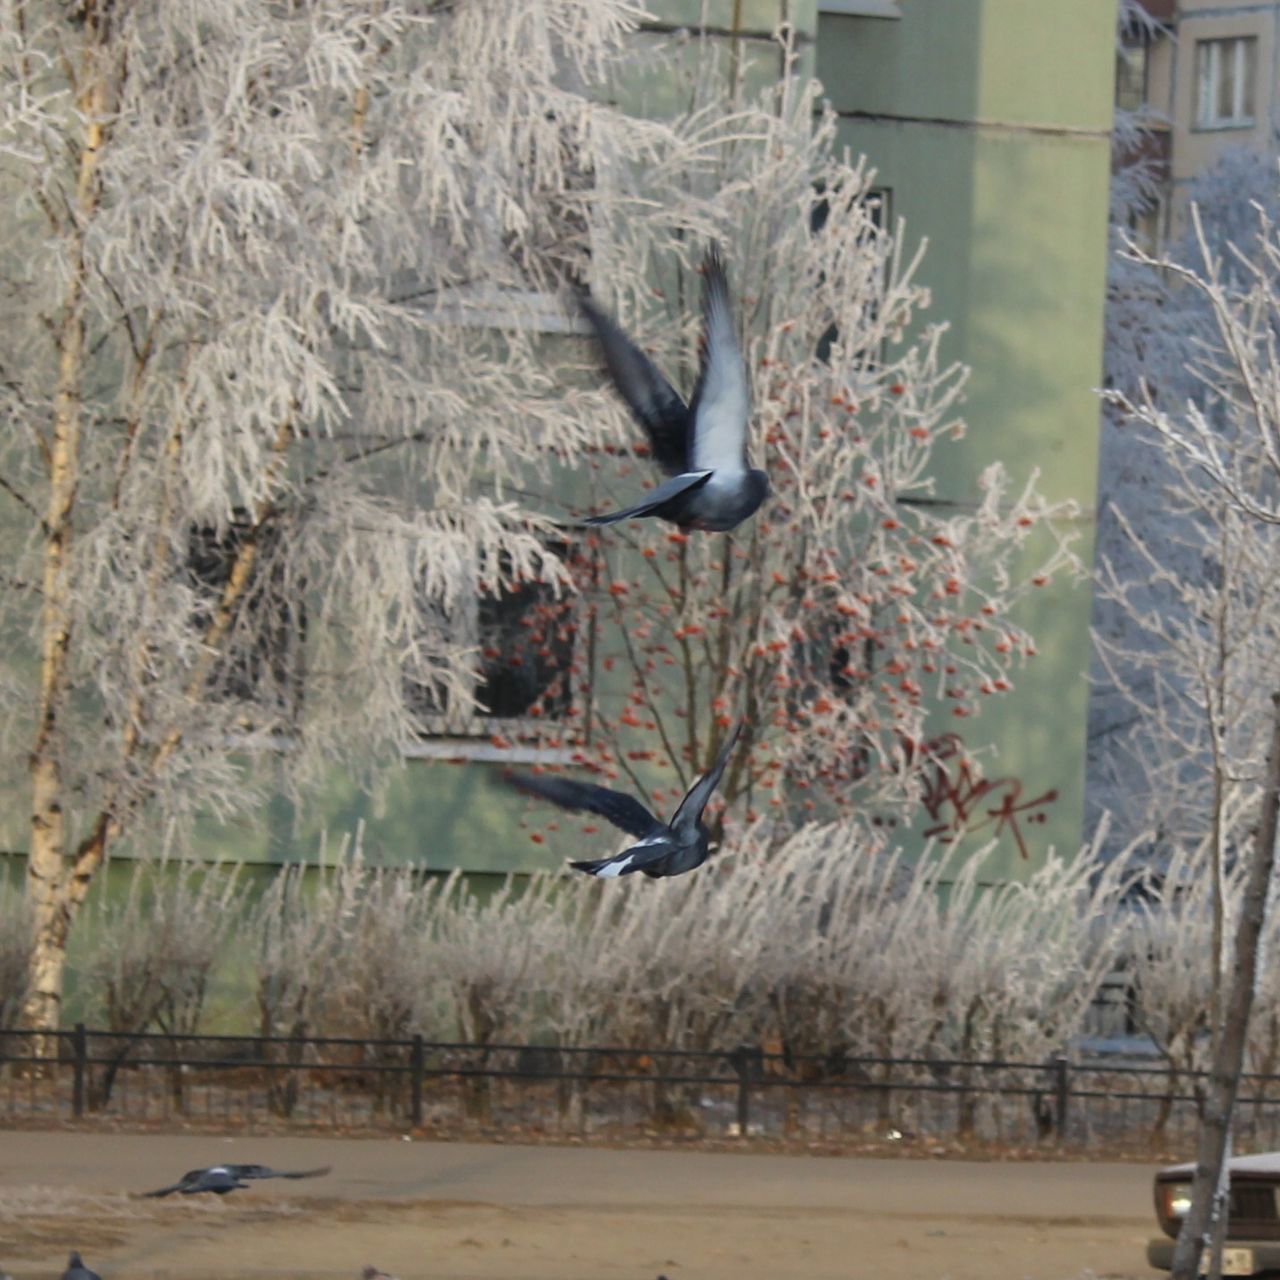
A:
<point x="417" y="1062"/>
<point x="1062" y="1091"/>
<point x="740" y="1060"/>
<point x="79" y="1066"/>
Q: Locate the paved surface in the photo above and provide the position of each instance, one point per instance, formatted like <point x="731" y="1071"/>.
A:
<point x="470" y="1210"/>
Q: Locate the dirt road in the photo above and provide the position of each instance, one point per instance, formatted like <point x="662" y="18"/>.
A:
<point x="459" y="1211"/>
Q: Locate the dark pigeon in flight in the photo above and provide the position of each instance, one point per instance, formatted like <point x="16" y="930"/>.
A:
<point x="661" y="849"/>
<point x="76" y="1270"/>
<point x="701" y="446"/>
<point x="221" y="1178"/>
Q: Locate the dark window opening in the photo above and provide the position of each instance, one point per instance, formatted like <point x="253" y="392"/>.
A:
<point x="521" y="638"/>
<point x="259" y="658"/>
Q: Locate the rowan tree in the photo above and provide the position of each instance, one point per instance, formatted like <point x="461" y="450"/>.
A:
<point x="855" y="621"/>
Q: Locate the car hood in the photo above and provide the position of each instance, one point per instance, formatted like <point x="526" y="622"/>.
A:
<point x="1266" y="1163"/>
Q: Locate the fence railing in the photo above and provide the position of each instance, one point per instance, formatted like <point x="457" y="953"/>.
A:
<point x="745" y="1090"/>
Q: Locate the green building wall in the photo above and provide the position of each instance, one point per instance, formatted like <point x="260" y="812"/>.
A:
<point x="990" y="126"/>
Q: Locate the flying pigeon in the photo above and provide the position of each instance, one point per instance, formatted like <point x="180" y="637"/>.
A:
<point x="701" y="446"/>
<point x="221" y="1178"/>
<point x="76" y="1270"/>
<point x="660" y="849"/>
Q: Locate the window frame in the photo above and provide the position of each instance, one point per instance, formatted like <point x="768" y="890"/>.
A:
<point x="862" y="8"/>
<point x="476" y="735"/>
<point x="1210" y="56"/>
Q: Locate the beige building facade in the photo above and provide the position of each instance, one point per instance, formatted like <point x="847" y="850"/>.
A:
<point x="1212" y="72"/>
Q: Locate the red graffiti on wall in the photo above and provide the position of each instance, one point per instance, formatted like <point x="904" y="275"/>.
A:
<point x="962" y="801"/>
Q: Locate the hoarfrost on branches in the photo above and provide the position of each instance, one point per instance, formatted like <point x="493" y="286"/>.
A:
<point x="252" y="425"/>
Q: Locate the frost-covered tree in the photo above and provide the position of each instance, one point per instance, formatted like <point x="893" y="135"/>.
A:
<point x="1157" y="330"/>
<point x="1217" y="649"/>
<point x="271" y="383"/>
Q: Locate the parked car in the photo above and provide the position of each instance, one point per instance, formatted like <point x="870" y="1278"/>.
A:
<point x="1253" y="1223"/>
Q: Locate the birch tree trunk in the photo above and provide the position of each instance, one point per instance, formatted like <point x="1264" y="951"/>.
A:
<point x="1209" y="1186"/>
<point x="54" y="889"/>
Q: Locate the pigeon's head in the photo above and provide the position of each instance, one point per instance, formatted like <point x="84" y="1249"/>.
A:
<point x="73" y="1259"/>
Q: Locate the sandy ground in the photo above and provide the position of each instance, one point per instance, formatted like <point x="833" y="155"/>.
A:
<point x="461" y="1211"/>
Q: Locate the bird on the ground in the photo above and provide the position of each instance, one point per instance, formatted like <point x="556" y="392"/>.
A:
<point x="76" y="1270"/>
<point x="221" y="1178"/>
<point x="661" y="849"/>
<point x="372" y="1273"/>
<point x="701" y="446"/>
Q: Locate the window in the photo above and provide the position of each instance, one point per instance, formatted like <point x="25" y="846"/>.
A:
<point x="1224" y="82"/>
<point x="260" y="660"/>
<point x="1131" y="77"/>
<point x="519" y="647"/>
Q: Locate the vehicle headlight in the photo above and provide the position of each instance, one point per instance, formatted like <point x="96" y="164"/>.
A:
<point x="1177" y="1199"/>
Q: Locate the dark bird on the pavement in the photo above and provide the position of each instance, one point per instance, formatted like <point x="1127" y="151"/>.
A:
<point x="372" y="1273"/>
<point x="76" y="1270"/>
<point x="702" y="446"/>
<point x="221" y="1178"/>
<point x="661" y="849"/>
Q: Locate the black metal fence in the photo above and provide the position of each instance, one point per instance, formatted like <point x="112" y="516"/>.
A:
<point x="745" y="1091"/>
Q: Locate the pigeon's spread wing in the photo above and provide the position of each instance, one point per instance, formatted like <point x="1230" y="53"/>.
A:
<point x="656" y="497"/>
<point x="624" y="811"/>
<point x="655" y="403"/>
<point x="691" y="807"/>
<point x="721" y="401"/>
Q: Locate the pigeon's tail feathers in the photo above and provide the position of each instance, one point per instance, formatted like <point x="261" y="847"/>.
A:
<point x="308" y="1173"/>
<point x="164" y="1191"/>
<point x="604" y="868"/>
<point x="685" y="483"/>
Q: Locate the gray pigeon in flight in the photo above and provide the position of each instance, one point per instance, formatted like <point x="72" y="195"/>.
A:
<point x="701" y="446"/>
<point x="221" y="1178"/>
<point x="76" y="1270"/>
<point x="661" y="849"/>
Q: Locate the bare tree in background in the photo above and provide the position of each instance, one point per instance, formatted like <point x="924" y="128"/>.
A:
<point x="1218" y="646"/>
<point x="271" y="290"/>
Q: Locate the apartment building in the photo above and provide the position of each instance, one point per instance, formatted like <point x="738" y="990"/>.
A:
<point x="1209" y="72"/>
